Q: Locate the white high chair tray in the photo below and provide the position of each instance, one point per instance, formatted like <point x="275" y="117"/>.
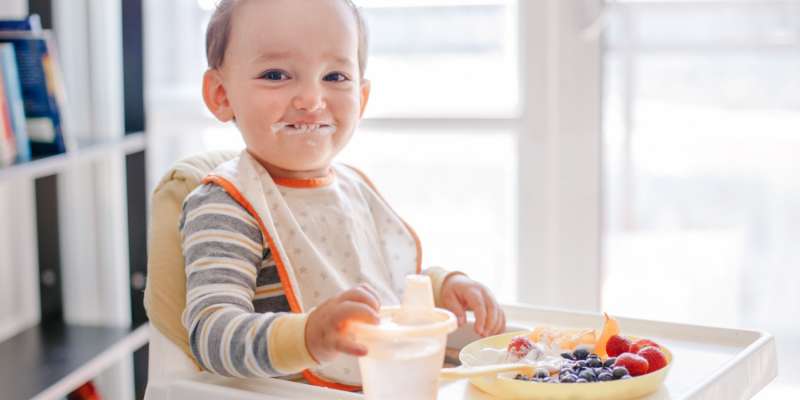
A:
<point x="710" y="363"/>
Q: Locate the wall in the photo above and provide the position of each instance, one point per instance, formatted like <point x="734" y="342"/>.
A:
<point x="13" y="8"/>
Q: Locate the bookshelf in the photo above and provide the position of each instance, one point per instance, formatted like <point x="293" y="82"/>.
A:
<point x="56" y="357"/>
<point x="87" y="151"/>
<point x="73" y="236"/>
<point x="53" y="357"/>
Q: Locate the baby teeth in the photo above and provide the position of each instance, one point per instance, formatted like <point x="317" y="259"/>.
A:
<point x="306" y="127"/>
<point x="296" y="129"/>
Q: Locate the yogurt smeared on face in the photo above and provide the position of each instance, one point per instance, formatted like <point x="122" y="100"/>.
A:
<point x="290" y="129"/>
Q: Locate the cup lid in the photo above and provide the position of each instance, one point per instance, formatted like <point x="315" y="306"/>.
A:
<point x="417" y="316"/>
<point x="438" y="321"/>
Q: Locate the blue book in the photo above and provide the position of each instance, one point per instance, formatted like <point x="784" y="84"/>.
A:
<point x="8" y="149"/>
<point x="13" y="95"/>
<point x="41" y="90"/>
<point x="31" y="24"/>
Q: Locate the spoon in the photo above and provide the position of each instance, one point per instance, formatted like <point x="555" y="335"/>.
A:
<point x="471" y="372"/>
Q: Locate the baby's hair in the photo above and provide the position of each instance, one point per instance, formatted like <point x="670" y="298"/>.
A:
<point x="219" y="29"/>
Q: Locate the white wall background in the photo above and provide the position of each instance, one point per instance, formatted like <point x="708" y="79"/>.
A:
<point x="13" y="8"/>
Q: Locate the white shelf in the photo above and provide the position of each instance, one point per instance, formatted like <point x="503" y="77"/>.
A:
<point x="87" y="151"/>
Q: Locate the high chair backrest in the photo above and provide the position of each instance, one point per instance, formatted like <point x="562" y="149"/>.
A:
<point x="165" y="293"/>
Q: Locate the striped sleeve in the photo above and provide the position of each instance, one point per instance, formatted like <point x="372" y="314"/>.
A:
<point x="223" y="249"/>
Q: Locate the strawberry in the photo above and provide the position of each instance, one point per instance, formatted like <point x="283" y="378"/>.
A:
<point x="635" y="364"/>
<point x="642" y="343"/>
<point x="520" y="346"/>
<point x="617" y="345"/>
<point x="655" y="358"/>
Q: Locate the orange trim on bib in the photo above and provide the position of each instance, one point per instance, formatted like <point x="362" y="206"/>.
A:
<point x="305" y="183"/>
<point x="282" y="274"/>
<point x="317" y="381"/>
<point x="410" y="229"/>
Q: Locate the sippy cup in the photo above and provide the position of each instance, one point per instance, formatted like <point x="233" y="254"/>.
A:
<point x="405" y="351"/>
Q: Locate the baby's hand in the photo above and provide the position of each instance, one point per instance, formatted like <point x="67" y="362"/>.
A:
<point x="460" y="293"/>
<point x="325" y="328"/>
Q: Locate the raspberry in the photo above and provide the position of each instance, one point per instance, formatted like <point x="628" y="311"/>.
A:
<point x="635" y="364"/>
<point x="655" y="358"/>
<point x="617" y="345"/>
<point x="520" y="346"/>
<point x="642" y="343"/>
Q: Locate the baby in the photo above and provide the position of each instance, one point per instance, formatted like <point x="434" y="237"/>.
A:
<point x="282" y="246"/>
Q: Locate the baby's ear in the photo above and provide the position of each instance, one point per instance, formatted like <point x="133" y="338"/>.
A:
<point x="365" y="88"/>
<point x="215" y="96"/>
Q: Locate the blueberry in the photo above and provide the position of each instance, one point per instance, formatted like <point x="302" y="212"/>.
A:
<point x="588" y="375"/>
<point x="568" y="356"/>
<point x="581" y="380"/>
<point x="605" y="376"/>
<point x="619" y="372"/>
<point x="610" y="362"/>
<point x="569" y="379"/>
<point x="592" y="355"/>
<point x="594" y="363"/>
<point x="625" y="377"/>
<point x="581" y="354"/>
<point x="598" y="371"/>
<point x="521" y="377"/>
<point x="542" y="373"/>
<point x="581" y="364"/>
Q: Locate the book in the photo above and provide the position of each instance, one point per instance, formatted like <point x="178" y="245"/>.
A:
<point x="32" y="24"/>
<point x="8" y="150"/>
<point x="13" y="95"/>
<point x="42" y="90"/>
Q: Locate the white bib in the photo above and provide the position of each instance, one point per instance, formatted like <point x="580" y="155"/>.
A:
<point x="326" y="239"/>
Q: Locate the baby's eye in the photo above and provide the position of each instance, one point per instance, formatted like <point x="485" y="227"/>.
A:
<point x="275" y="75"/>
<point x="335" y="77"/>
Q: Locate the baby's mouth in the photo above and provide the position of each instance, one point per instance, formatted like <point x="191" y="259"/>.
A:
<point x="299" y="129"/>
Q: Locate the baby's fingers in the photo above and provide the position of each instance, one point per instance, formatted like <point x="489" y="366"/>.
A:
<point x="500" y="324"/>
<point x="354" y="311"/>
<point x="451" y="303"/>
<point x="348" y="346"/>
<point x="362" y="294"/>
<point x="474" y="299"/>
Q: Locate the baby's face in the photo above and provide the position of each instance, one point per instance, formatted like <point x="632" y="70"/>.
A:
<point x="291" y="78"/>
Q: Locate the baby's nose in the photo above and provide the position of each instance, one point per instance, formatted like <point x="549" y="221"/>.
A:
<point x="309" y="100"/>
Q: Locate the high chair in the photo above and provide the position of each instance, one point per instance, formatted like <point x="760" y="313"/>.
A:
<point x="165" y="293"/>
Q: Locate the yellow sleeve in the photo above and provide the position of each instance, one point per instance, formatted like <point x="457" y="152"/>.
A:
<point x="287" y="344"/>
<point x="438" y="275"/>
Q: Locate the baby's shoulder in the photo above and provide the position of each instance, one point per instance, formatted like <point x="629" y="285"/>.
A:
<point x="207" y="193"/>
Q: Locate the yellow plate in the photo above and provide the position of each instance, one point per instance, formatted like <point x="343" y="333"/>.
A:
<point x="509" y="388"/>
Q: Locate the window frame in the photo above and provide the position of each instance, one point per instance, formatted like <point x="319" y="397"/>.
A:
<point x="558" y="131"/>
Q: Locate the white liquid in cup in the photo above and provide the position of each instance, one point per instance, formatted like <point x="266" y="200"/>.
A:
<point x="404" y="369"/>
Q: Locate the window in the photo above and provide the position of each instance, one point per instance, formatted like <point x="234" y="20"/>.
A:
<point x="702" y="115"/>
<point x="442" y="58"/>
